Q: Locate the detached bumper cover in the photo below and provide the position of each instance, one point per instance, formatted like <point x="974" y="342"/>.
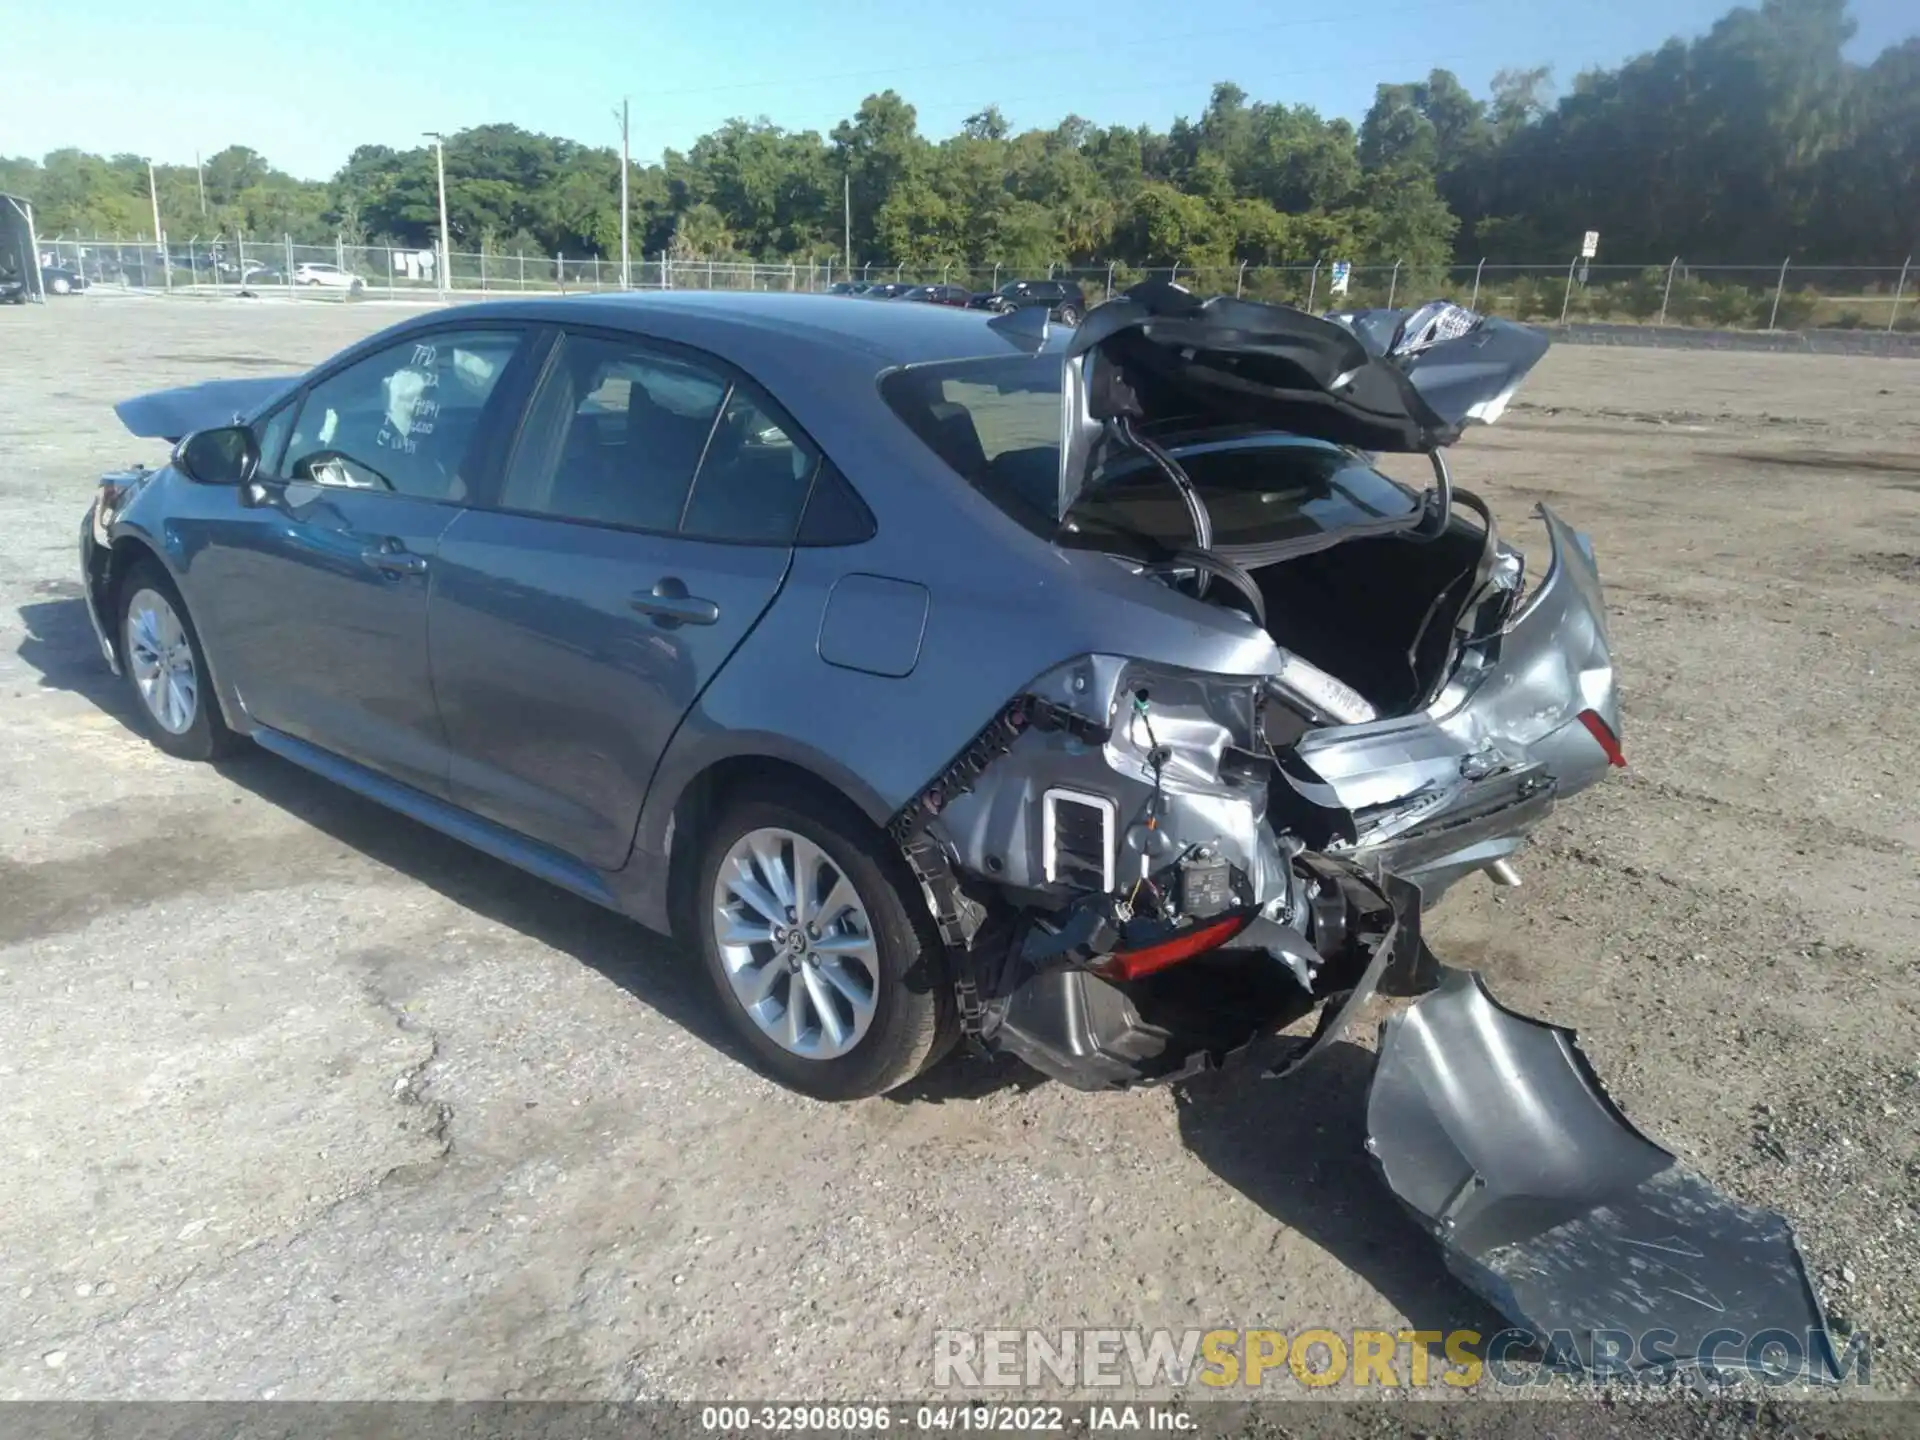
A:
<point x="1492" y="1129"/>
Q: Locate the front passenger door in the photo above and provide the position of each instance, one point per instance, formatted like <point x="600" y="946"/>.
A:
<point x="642" y="525"/>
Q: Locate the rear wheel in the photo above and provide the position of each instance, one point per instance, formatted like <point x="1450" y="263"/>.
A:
<point x="166" y="668"/>
<point x="1069" y="314"/>
<point x="60" y="285"/>
<point x="818" y="948"/>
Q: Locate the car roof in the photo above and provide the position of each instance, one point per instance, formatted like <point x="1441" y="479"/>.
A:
<point x="874" y="337"/>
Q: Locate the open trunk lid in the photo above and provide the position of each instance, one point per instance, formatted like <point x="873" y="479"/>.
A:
<point x="1159" y="353"/>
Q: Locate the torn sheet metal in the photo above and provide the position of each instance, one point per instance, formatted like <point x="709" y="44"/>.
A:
<point x="1493" y="1130"/>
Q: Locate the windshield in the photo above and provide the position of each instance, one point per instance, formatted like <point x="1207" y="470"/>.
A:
<point x="997" y="423"/>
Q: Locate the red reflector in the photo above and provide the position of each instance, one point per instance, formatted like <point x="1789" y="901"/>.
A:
<point x="1134" y="963"/>
<point x="1609" y="742"/>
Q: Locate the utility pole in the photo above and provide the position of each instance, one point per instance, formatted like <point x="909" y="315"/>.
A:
<point x="446" y="241"/>
<point x="846" y="216"/>
<point x="626" y="263"/>
<point x="200" y="172"/>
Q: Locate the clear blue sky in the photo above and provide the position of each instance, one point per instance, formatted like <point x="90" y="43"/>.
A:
<point x="306" y="84"/>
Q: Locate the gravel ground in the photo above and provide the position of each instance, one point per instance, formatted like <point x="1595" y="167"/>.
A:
<point x="300" y="1100"/>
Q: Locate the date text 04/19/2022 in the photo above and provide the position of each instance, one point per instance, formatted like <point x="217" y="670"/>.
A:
<point x="937" y="1419"/>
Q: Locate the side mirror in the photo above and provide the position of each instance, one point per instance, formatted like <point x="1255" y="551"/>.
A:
<point x="227" y="456"/>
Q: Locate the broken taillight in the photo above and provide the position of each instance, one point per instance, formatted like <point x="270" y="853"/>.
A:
<point x="1132" y="964"/>
<point x="1603" y="733"/>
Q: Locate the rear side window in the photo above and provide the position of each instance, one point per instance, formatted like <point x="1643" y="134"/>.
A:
<point x="754" y="480"/>
<point x="629" y="434"/>
<point x="613" y="436"/>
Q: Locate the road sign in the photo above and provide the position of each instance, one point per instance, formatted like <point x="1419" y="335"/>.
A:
<point x="1590" y="246"/>
<point x="1342" y="272"/>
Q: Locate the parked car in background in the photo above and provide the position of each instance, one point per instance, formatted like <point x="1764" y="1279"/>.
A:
<point x="331" y="277"/>
<point x="61" y="280"/>
<point x="956" y="295"/>
<point x="887" y="291"/>
<point x="1065" y="301"/>
<point x="13" y="290"/>
<point x="848" y="287"/>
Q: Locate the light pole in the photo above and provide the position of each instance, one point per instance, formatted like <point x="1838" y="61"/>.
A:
<point x="446" y="241"/>
<point x="159" y="241"/>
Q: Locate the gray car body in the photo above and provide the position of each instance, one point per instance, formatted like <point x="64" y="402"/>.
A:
<point x="871" y="666"/>
<point x="810" y="684"/>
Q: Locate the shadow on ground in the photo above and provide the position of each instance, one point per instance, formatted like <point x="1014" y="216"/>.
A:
<point x="1297" y="1149"/>
<point x="59" y="643"/>
<point x="1293" y="1147"/>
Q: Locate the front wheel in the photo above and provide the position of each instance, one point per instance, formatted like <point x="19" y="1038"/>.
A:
<point x="167" y="669"/>
<point x="1069" y="315"/>
<point x="821" y="952"/>
<point x="61" y="285"/>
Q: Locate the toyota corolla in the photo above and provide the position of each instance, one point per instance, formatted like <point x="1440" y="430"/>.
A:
<point x="1085" y="695"/>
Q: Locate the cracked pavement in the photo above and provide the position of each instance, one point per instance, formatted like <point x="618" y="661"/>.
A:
<point x="301" y="1100"/>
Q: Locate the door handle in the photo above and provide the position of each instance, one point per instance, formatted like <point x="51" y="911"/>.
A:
<point x="392" y="559"/>
<point x="670" y="605"/>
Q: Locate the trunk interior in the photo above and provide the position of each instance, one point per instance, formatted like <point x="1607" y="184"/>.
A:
<point x="1376" y="613"/>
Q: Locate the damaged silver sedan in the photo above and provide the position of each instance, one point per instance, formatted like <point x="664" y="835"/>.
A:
<point x="1083" y="695"/>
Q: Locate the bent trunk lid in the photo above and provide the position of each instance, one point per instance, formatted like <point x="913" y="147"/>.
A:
<point x="1159" y="354"/>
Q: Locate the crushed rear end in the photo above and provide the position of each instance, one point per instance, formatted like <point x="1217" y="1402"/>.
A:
<point x="1140" y="870"/>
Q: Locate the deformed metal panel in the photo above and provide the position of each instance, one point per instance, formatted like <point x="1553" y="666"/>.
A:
<point x="1493" y="1130"/>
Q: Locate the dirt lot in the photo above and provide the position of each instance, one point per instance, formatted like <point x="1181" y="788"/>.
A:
<point x="298" y="1099"/>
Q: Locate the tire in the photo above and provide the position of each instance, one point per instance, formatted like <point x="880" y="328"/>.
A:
<point x="910" y="1021"/>
<point x="1069" y="315"/>
<point x="183" y="721"/>
<point x="61" y="285"/>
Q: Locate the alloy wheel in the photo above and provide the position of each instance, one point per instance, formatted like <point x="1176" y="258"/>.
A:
<point x="161" y="659"/>
<point x="796" y="943"/>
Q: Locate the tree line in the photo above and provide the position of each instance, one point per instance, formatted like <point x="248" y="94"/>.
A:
<point x="1755" y="141"/>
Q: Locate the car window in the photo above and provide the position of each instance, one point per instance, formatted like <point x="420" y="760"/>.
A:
<point x="753" y="483"/>
<point x="614" y="435"/>
<point x="403" y="418"/>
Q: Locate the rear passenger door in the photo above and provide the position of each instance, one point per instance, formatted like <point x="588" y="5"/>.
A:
<point x="641" y="525"/>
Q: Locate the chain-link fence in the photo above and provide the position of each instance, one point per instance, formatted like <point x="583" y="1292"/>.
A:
<point x="1673" y="292"/>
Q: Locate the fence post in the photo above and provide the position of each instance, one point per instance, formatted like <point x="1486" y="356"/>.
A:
<point x="1474" y="304"/>
<point x="1778" y="289"/>
<point x="996" y="276"/>
<point x="390" y="285"/>
<point x="1313" y="285"/>
<point x="1667" y="294"/>
<point x="240" y="254"/>
<point x="166" y="262"/>
<point x="1897" y="289"/>
<point x="945" y="271"/>
<point x="560" y="271"/>
<point x="286" y="242"/>
<point x="1240" y="281"/>
<point x="1173" y="277"/>
<point x="1109" y="279"/>
<point x="1567" y="299"/>
<point x="483" y="267"/>
<point x="1393" y="286"/>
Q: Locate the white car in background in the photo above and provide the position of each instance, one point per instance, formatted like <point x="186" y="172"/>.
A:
<point x="331" y="277"/>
